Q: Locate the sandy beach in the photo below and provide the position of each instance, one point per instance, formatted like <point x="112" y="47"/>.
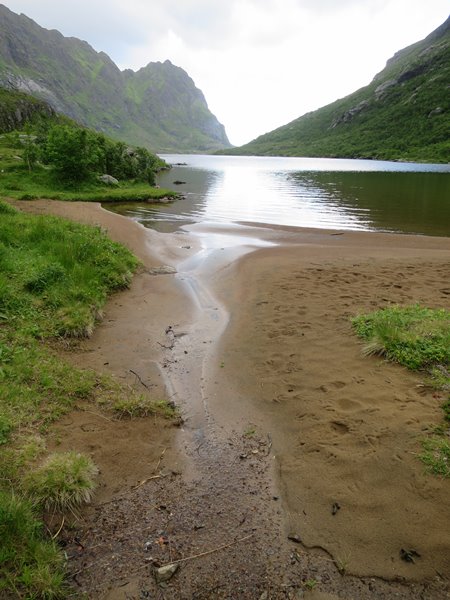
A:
<point x="297" y="460"/>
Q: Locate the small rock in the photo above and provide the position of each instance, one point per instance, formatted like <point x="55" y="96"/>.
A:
<point x="336" y="506"/>
<point x="108" y="179"/>
<point x="163" y="270"/>
<point x="264" y="596"/>
<point x="165" y="573"/>
<point x="409" y="555"/>
<point x="295" y="538"/>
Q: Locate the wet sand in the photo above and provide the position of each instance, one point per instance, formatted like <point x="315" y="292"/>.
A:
<point x="284" y="418"/>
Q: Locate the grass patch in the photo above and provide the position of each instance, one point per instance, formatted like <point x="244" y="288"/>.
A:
<point x="55" y="277"/>
<point x="138" y="405"/>
<point x="250" y="431"/>
<point x="30" y="565"/>
<point x="436" y="455"/>
<point x="419" y="339"/>
<point x="64" y="481"/>
<point x="414" y="336"/>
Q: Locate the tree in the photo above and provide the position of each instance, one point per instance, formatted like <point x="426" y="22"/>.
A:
<point x="74" y="152"/>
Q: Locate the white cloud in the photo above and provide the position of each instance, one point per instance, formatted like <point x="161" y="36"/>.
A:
<point x="260" y="63"/>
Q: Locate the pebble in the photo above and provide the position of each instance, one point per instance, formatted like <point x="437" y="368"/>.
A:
<point x="165" y="573"/>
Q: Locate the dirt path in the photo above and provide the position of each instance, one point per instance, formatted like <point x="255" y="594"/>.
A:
<point x="283" y="419"/>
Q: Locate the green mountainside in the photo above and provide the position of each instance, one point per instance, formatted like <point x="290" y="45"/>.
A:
<point x="403" y="114"/>
<point x="158" y="107"/>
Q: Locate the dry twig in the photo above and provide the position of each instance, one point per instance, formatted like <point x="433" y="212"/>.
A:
<point x="180" y="560"/>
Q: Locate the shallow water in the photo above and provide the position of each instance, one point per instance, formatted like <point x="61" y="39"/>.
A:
<point x="303" y="192"/>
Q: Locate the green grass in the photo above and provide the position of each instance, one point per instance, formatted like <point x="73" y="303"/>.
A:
<point x="414" y="336"/>
<point x="30" y="565"/>
<point x="139" y="405"/>
<point x="436" y="455"/>
<point x="64" y="481"/>
<point x="55" y="277"/>
<point x="419" y="339"/>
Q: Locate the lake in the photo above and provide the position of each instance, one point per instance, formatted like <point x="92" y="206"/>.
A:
<point x="304" y="192"/>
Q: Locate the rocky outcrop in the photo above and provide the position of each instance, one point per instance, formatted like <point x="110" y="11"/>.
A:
<point x="16" y="109"/>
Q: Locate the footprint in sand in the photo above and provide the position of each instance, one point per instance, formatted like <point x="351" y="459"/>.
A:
<point x="348" y="405"/>
<point x="338" y="385"/>
<point x="339" y="427"/>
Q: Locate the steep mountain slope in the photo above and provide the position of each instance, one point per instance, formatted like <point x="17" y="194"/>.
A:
<point x="404" y="113"/>
<point x="17" y="109"/>
<point x="159" y="106"/>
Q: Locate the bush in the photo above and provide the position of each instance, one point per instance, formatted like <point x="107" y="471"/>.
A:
<point x="73" y="152"/>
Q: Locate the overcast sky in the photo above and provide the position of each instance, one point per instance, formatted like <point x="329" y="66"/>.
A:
<point x="260" y="63"/>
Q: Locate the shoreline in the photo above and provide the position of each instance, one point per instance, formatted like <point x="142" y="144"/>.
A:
<point x="286" y="291"/>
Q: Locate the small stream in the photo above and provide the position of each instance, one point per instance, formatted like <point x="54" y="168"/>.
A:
<point x="187" y="368"/>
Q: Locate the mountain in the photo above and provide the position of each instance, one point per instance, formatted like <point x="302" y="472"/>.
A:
<point x="158" y="107"/>
<point x="403" y="114"/>
<point x="17" y="109"/>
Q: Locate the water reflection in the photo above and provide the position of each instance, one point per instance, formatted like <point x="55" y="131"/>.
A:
<point x="404" y="201"/>
<point x="323" y="193"/>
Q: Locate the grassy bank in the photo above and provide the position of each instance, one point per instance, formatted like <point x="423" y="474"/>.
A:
<point x="55" y="277"/>
<point x="419" y="339"/>
<point x="19" y="181"/>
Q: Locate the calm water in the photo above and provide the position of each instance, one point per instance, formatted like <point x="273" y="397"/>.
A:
<point x="305" y="192"/>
